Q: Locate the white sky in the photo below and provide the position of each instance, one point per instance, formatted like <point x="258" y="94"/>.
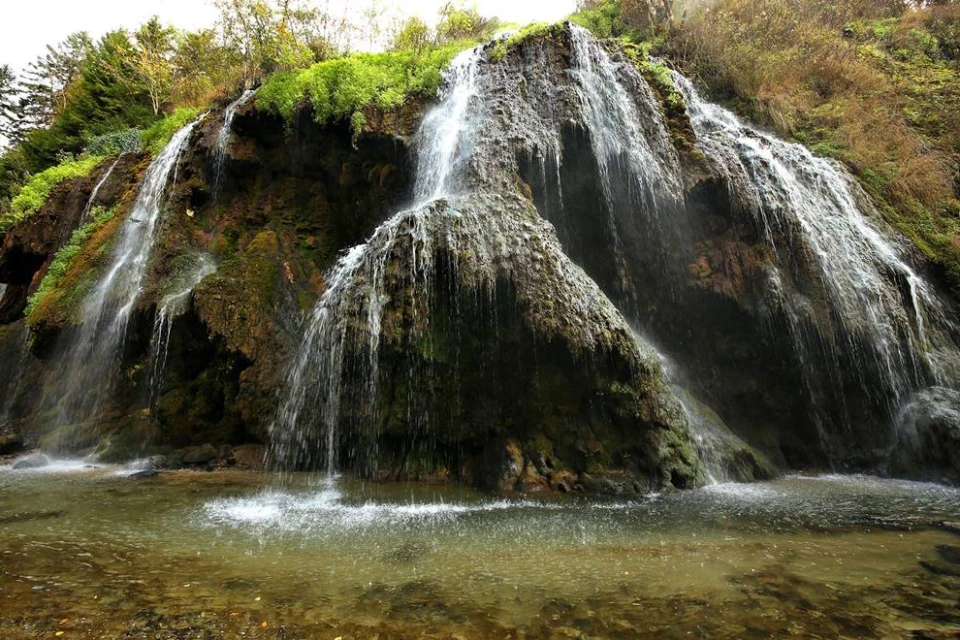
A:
<point x="29" y="25"/>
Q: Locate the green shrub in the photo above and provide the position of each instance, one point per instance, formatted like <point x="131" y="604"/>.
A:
<point x="602" y="19"/>
<point x="113" y="144"/>
<point x="36" y="191"/>
<point x="340" y="89"/>
<point x="67" y="255"/>
<point x="156" y="137"/>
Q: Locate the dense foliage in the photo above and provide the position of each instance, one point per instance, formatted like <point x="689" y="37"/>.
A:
<point x="156" y="137"/>
<point x="339" y="89"/>
<point x="132" y="87"/>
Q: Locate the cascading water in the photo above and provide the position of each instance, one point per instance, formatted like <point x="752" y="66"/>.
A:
<point x="223" y="140"/>
<point x="466" y="211"/>
<point x="92" y="349"/>
<point x="639" y="168"/>
<point x="884" y="320"/>
<point x="171" y="306"/>
<point x="96" y="189"/>
<point x="314" y="380"/>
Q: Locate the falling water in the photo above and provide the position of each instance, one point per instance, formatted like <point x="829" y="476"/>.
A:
<point x="634" y="152"/>
<point x="884" y="318"/>
<point x="223" y="140"/>
<point x="171" y="306"/>
<point x="466" y="207"/>
<point x="96" y="189"/>
<point x="105" y="313"/>
<point x="638" y="167"/>
<point x="314" y="380"/>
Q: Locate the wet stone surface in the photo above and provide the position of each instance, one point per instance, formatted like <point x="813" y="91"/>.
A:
<point x="233" y="554"/>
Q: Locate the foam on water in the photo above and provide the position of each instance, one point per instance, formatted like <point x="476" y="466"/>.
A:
<point x="59" y="466"/>
<point x="741" y="491"/>
<point x="327" y="510"/>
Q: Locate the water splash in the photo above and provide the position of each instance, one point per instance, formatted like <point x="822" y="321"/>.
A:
<point x="877" y="313"/>
<point x="223" y="140"/>
<point x="91" y="350"/>
<point x="171" y="306"/>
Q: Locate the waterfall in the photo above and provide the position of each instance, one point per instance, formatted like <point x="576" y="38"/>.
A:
<point x="639" y="167"/>
<point x="880" y="316"/>
<point x="172" y="305"/>
<point x="466" y="209"/>
<point x="223" y="140"/>
<point x="105" y="312"/>
<point x="96" y="189"/>
<point x="314" y="381"/>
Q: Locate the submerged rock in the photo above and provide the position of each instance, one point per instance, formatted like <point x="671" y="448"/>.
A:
<point x="34" y="461"/>
<point x="200" y="454"/>
<point x="929" y="437"/>
<point x="142" y="474"/>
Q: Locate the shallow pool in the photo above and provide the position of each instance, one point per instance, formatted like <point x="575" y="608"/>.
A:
<point x="92" y="553"/>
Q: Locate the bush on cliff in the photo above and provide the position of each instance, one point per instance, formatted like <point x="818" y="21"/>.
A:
<point x="340" y="89"/>
<point x="35" y="192"/>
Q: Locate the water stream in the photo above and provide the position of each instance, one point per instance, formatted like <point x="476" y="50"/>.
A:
<point x="172" y="305"/>
<point x="223" y="140"/>
<point x="96" y="189"/>
<point x="889" y="330"/>
<point x="91" y="350"/>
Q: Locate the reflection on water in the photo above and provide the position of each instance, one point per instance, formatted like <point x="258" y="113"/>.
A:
<point x="182" y="555"/>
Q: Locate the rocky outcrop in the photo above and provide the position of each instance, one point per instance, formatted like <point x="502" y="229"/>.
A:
<point x="527" y="327"/>
<point x="928" y="447"/>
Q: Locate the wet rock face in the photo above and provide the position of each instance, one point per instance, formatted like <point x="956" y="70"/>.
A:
<point x="291" y="200"/>
<point x="28" y="247"/>
<point x="486" y="328"/>
<point x="929" y="445"/>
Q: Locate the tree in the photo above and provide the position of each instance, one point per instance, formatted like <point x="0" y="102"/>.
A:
<point x="45" y="87"/>
<point x="152" y="60"/>
<point x="203" y="66"/>
<point x="414" y="35"/>
<point x="457" y="23"/>
<point x="270" y="36"/>
<point x="9" y="102"/>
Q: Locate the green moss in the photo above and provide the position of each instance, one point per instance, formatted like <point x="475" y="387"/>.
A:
<point x="603" y="21"/>
<point x="66" y="257"/>
<point x="35" y="192"/>
<point x="499" y="51"/>
<point x="342" y="88"/>
<point x="156" y="137"/>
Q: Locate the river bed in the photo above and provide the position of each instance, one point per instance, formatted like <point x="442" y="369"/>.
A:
<point x="92" y="553"/>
